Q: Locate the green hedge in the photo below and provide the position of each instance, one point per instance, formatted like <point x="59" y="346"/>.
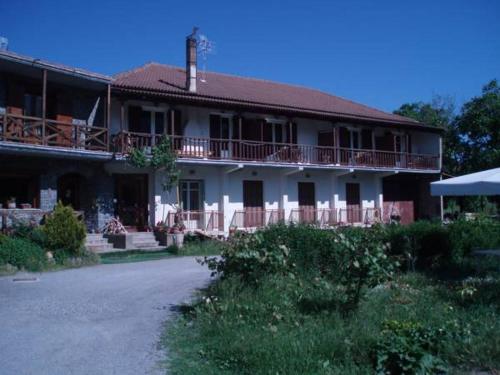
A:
<point x="22" y="253"/>
<point x="425" y="244"/>
<point x="64" y="233"/>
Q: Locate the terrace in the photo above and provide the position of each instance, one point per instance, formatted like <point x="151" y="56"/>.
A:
<point x="278" y="153"/>
<point x="212" y="222"/>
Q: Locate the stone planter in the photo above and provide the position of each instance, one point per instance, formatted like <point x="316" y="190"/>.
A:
<point x="178" y="239"/>
<point x="164" y="238"/>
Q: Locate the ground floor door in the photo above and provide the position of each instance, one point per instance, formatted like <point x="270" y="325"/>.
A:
<point x="353" y="202"/>
<point x="307" y="202"/>
<point x="253" y="204"/>
<point x="192" y="203"/>
<point x="131" y="193"/>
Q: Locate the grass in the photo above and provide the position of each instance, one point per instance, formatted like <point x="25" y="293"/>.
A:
<point x="289" y="325"/>
<point x="191" y="248"/>
<point x="134" y="256"/>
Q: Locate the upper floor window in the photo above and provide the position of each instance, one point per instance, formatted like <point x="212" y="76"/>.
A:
<point x="32" y="105"/>
<point x="154" y="121"/>
<point x="220" y="127"/>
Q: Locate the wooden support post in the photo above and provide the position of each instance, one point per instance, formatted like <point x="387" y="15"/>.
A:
<point x="44" y="103"/>
<point x="240" y="127"/>
<point x="122" y="116"/>
<point x="172" y="121"/>
<point x="108" y="116"/>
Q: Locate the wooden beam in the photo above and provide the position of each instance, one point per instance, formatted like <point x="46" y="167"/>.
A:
<point x="44" y="103"/>
<point x="240" y="127"/>
<point x="122" y="116"/>
<point x="172" y="121"/>
<point x="108" y="115"/>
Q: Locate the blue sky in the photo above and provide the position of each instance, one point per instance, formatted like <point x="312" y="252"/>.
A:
<point x="380" y="53"/>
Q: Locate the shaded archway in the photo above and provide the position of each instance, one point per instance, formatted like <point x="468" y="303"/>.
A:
<point x="69" y="190"/>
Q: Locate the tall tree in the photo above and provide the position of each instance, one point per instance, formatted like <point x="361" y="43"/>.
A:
<point x="479" y="127"/>
<point x="440" y="112"/>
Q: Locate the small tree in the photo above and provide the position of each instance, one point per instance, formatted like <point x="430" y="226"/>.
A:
<point x="163" y="158"/>
<point x="63" y="231"/>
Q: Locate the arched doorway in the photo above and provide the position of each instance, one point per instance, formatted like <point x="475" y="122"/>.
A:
<point x="69" y="190"/>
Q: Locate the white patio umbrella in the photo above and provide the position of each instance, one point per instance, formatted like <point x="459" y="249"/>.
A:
<point x="480" y="183"/>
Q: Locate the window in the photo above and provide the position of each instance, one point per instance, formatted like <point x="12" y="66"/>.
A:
<point x="274" y="132"/>
<point x="146" y="121"/>
<point x="191" y="195"/>
<point x="220" y="127"/>
<point x="32" y="105"/>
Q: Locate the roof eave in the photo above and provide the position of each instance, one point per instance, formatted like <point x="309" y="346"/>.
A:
<point x="197" y="98"/>
<point x="55" y="68"/>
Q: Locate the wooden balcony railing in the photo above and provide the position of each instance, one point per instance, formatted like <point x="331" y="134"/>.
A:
<point x="323" y="217"/>
<point x="209" y="221"/>
<point x="367" y="216"/>
<point x="256" y="218"/>
<point x="36" y="131"/>
<point x="242" y="150"/>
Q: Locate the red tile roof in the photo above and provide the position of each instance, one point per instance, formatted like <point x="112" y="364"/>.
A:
<point x="170" y="80"/>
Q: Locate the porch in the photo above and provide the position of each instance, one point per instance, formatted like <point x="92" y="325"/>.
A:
<point x="212" y="222"/>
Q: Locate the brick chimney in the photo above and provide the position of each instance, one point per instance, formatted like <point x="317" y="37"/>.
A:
<point x="191" y="61"/>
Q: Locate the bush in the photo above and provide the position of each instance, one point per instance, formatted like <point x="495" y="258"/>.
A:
<point x="468" y="235"/>
<point x="64" y="232"/>
<point x="22" y="253"/>
<point x="351" y="259"/>
<point x="409" y="348"/>
<point x="420" y="245"/>
<point x="33" y="233"/>
<point x="252" y="256"/>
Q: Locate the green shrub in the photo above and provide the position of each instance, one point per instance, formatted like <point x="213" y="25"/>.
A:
<point x="33" y="233"/>
<point x="409" y="348"/>
<point x="421" y="245"/>
<point x="352" y="259"/>
<point x="468" y="235"/>
<point x="63" y="231"/>
<point x="22" y="253"/>
<point x="252" y="256"/>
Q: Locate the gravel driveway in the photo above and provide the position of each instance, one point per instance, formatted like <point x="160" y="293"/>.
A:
<point x="105" y="319"/>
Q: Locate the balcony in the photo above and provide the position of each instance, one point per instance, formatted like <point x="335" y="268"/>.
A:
<point x="36" y="131"/>
<point x="256" y="218"/>
<point x="282" y="153"/>
<point x="203" y="221"/>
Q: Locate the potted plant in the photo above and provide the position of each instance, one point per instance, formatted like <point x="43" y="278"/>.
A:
<point x="162" y="234"/>
<point x="11" y="203"/>
<point x="177" y="230"/>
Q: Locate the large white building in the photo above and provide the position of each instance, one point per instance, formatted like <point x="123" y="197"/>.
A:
<point x="251" y="152"/>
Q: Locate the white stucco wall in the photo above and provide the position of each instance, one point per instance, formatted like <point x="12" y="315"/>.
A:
<point x="224" y="191"/>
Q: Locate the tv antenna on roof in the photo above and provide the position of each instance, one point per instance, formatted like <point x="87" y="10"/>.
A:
<point x="205" y="47"/>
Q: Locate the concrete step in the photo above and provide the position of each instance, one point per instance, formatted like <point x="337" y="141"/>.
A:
<point x="151" y="248"/>
<point x="95" y="242"/>
<point x="101" y="248"/>
<point x="146" y="245"/>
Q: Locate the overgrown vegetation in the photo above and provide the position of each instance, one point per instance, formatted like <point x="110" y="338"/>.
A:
<point x="298" y="300"/>
<point x="58" y="243"/>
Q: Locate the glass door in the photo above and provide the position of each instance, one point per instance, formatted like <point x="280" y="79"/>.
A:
<point x="192" y="203"/>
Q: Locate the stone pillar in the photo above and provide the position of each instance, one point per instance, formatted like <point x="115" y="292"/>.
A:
<point x="224" y="200"/>
<point x="48" y="192"/>
<point x="379" y="194"/>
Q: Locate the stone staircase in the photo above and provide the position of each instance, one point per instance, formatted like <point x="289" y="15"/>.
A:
<point x="145" y="241"/>
<point x="96" y="243"/>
